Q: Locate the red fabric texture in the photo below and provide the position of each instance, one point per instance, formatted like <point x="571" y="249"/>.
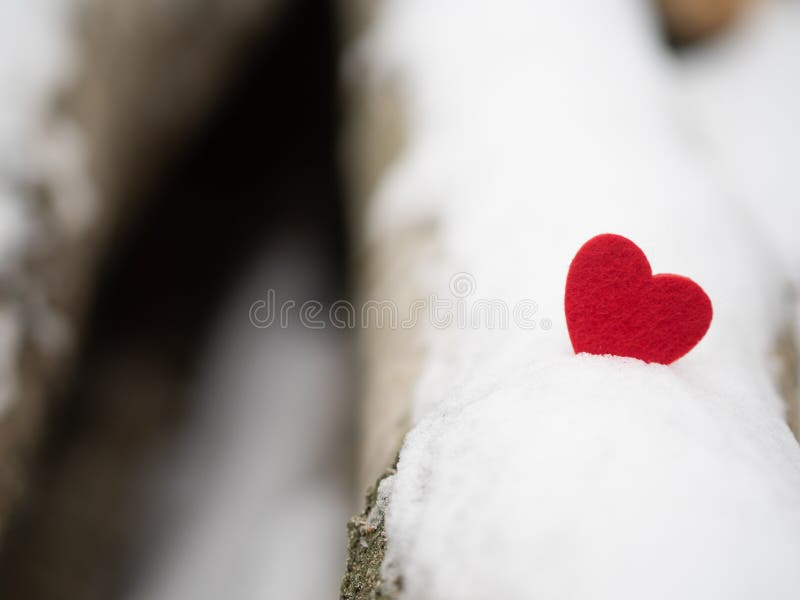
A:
<point x="615" y="305"/>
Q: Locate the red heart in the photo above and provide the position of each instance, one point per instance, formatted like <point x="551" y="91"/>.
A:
<point x="615" y="305"/>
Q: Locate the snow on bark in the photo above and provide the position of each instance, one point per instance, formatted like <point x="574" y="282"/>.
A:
<point x="47" y="209"/>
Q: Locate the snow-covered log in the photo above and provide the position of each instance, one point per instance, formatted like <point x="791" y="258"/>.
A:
<point x="490" y="140"/>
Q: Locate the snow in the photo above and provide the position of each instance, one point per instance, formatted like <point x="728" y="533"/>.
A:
<point x="28" y="64"/>
<point x="35" y="57"/>
<point x="746" y="91"/>
<point x="531" y="472"/>
<point x="251" y="498"/>
<point x="35" y="61"/>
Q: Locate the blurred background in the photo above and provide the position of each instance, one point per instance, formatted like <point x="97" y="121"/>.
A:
<point x="185" y="452"/>
<point x="163" y="164"/>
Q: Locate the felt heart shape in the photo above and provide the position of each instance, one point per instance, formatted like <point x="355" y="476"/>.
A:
<point x="615" y="305"/>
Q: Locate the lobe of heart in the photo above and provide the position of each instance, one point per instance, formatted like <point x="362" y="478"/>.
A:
<point x="615" y="305"/>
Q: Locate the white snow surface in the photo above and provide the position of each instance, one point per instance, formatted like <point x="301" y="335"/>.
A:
<point x="531" y="472"/>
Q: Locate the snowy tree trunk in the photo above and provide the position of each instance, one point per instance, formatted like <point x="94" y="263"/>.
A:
<point x="480" y="502"/>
